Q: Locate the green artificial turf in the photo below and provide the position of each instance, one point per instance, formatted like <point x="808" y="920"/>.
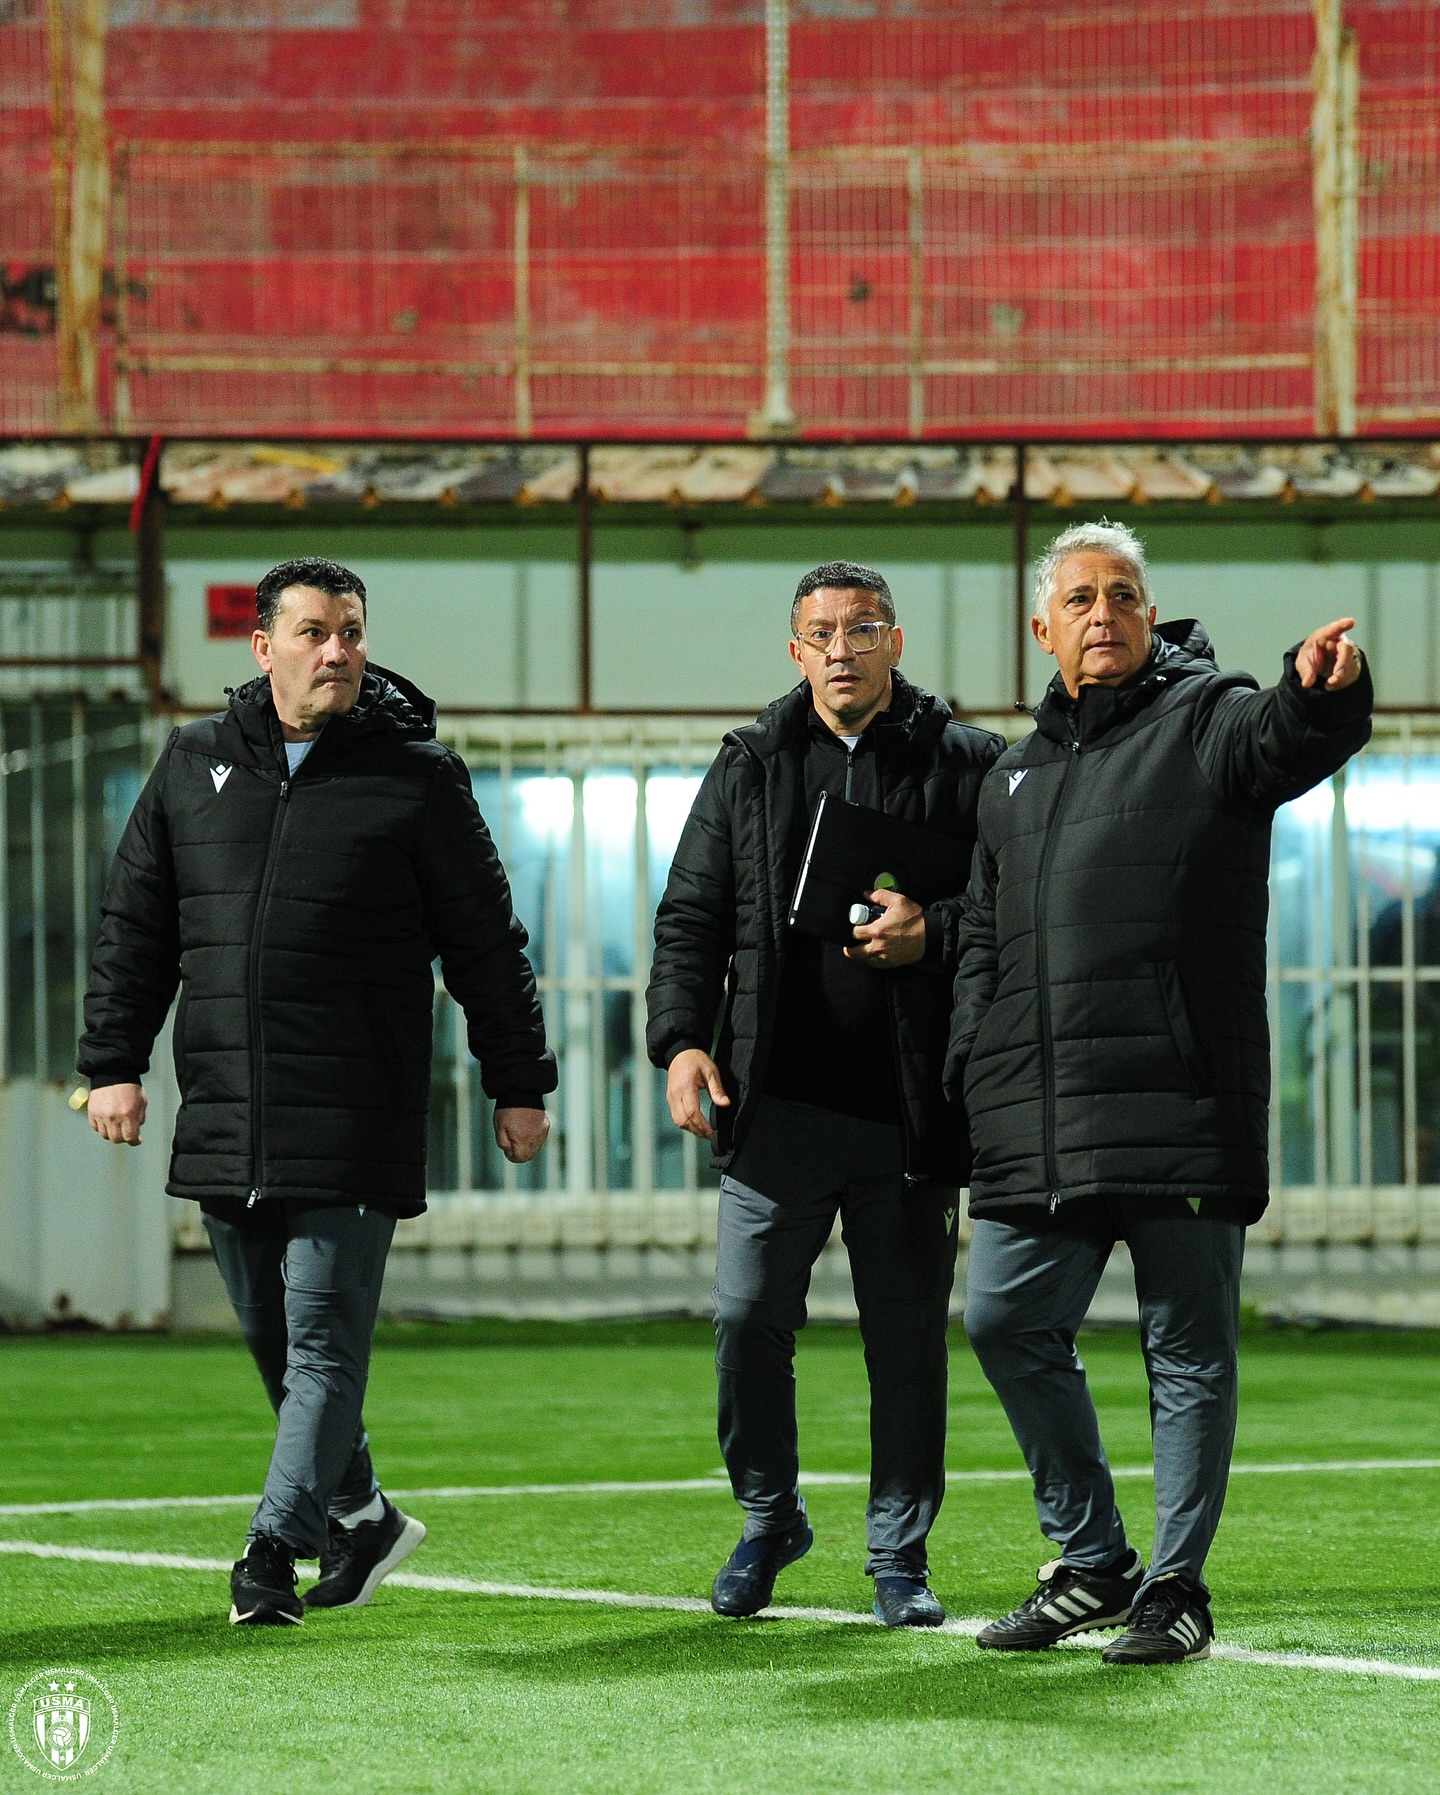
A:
<point x="431" y="1691"/>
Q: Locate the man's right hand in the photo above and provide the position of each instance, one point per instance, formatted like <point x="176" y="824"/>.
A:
<point x="692" y="1074"/>
<point x="117" y="1113"/>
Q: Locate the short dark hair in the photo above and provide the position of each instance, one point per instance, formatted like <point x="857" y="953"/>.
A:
<point x="843" y="574"/>
<point x="309" y="570"/>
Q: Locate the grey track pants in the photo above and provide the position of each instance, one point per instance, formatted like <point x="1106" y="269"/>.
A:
<point x="305" y="1281"/>
<point x="1028" y="1289"/>
<point x="798" y="1166"/>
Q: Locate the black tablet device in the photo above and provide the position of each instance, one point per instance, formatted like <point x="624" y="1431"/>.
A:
<point x="853" y="850"/>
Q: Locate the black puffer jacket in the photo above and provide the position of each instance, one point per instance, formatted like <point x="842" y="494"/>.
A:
<point x="721" y="927"/>
<point x="1110" y="1033"/>
<point x="300" y="916"/>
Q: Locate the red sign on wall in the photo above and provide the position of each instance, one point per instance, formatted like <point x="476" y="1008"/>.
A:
<point x="229" y="610"/>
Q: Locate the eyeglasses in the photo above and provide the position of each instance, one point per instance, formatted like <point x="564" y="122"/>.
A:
<point x="864" y="638"/>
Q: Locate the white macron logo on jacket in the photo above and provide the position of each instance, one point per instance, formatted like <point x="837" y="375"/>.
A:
<point x="221" y="774"/>
<point x="1014" y="778"/>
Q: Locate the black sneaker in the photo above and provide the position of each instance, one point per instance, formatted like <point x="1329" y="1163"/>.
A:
<point x="1170" y="1624"/>
<point x="355" y="1559"/>
<point x="746" y="1580"/>
<point x="262" y="1586"/>
<point x="907" y="1602"/>
<point x="1069" y="1600"/>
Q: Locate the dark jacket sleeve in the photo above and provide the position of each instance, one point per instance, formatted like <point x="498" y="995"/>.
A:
<point x="977" y="968"/>
<point x="1261" y="749"/>
<point x="136" y="965"/>
<point x="944" y="920"/>
<point x="694" y="928"/>
<point x="481" y="944"/>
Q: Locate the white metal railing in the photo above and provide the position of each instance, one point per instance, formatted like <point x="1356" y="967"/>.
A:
<point x="69" y="775"/>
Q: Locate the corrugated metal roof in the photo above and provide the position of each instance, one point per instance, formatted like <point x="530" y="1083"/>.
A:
<point x="218" y="476"/>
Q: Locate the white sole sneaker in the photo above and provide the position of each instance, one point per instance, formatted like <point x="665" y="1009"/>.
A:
<point x="412" y="1536"/>
<point x="275" y="1619"/>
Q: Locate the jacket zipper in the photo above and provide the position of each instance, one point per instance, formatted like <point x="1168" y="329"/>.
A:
<point x="1042" y="967"/>
<point x="257" y="1145"/>
<point x="909" y="1176"/>
<point x="767" y="1023"/>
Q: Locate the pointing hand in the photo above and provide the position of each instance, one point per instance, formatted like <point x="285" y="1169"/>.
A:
<point x="1329" y="657"/>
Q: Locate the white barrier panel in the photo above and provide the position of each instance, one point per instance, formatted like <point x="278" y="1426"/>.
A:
<point x="85" y="1227"/>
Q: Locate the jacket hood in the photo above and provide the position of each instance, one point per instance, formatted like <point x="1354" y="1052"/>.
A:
<point x="919" y="715"/>
<point x="1183" y="640"/>
<point x="1179" y="650"/>
<point x="387" y="702"/>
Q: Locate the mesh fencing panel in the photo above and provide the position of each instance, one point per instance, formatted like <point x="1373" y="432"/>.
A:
<point x="29" y="393"/>
<point x="1399" y="236"/>
<point x="423" y="218"/>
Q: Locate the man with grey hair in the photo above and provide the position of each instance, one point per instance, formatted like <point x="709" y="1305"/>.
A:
<point x="825" y="1079"/>
<point x="1111" y="1046"/>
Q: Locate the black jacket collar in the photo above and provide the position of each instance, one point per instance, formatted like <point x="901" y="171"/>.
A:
<point x="914" y="716"/>
<point x="1180" y="650"/>
<point x="388" y="705"/>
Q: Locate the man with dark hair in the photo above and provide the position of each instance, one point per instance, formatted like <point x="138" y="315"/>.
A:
<point x="295" y="865"/>
<point x="313" y="572"/>
<point x="825" y="1080"/>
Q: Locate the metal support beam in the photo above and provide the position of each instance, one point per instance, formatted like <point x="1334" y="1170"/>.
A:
<point x="1336" y="199"/>
<point x="120" y="238"/>
<point x="776" y="416"/>
<point x="915" y="231"/>
<point x="524" y="417"/>
<point x="39" y="899"/>
<point x="150" y="585"/>
<point x="1020" y="501"/>
<point x="81" y="179"/>
<point x="57" y="44"/>
<point x="584" y="554"/>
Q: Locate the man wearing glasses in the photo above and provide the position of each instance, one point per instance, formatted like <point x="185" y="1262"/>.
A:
<point x="825" y="1080"/>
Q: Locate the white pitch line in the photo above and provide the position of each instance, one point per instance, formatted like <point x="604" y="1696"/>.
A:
<point x="814" y="1479"/>
<point x="615" y="1598"/>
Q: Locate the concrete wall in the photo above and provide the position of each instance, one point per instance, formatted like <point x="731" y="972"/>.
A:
<point x="486" y="618"/>
<point x="1346" y="1284"/>
<point x="84" y="1226"/>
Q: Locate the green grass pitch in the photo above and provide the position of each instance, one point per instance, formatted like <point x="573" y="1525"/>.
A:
<point x="429" y="1690"/>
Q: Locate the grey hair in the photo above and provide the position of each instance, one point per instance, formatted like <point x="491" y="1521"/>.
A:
<point x="1118" y="540"/>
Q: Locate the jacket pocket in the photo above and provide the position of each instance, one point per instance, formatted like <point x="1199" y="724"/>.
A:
<point x="1182" y="1030"/>
<point x="404" y="1068"/>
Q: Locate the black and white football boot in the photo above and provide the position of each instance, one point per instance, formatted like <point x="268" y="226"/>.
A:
<point x="357" y="1559"/>
<point x="262" y="1586"/>
<point x="1170" y="1624"/>
<point x="1068" y="1600"/>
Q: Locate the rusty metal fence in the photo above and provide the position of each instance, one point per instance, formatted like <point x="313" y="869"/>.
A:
<point x="966" y="220"/>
